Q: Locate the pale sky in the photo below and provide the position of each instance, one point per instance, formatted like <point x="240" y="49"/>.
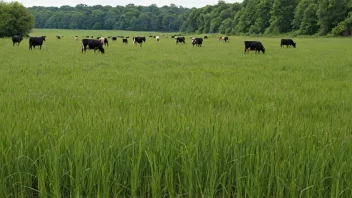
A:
<point x="159" y="3"/>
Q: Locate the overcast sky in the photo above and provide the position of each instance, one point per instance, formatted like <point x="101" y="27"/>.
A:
<point x="159" y="3"/>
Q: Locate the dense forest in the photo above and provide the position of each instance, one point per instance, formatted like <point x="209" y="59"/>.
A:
<point x="306" y="17"/>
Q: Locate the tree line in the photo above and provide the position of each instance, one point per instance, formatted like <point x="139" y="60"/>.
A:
<point x="301" y="17"/>
<point x="129" y="17"/>
<point x="297" y="17"/>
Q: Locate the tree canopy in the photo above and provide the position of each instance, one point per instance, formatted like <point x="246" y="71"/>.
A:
<point x="306" y="17"/>
<point x="15" y="19"/>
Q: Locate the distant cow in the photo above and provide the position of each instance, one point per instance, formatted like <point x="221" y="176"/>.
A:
<point x="287" y="42"/>
<point x="197" y="41"/>
<point x="58" y="37"/>
<point x="150" y="36"/>
<point x="205" y="37"/>
<point x="76" y="38"/>
<point x="180" y="39"/>
<point x="101" y="39"/>
<point x="253" y="46"/>
<point x="157" y="38"/>
<point x="127" y="37"/>
<point x="114" y="38"/>
<point x="91" y="36"/>
<point x="92" y="45"/>
<point x="125" y="41"/>
<point x="16" y="39"/>
<point x="223" y="39"/>
<point x="173" y="36"/>
<point x="106" y="42"/>
<point x="139" y="40"/>
<point x="87" y="36"/>
<point x="36" y="41"/>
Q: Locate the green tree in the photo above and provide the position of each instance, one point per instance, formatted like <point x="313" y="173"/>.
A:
<point x="281" y="16"/>
<point x="15" y="19"/>
<point x="310" y="19"/>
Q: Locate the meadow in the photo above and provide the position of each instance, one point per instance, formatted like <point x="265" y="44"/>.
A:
<point x="167" y="120"/>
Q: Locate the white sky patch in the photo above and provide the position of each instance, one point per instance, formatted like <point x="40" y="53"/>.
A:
<point x="160" y="3"/>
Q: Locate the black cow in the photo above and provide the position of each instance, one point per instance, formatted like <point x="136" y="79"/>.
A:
<point x="173" y="36"/>
<point x="124" y="41"/>
<point x="226" y="38"/>
<point x="253" y="46"/>
<point x="288" y="42"/>
<point x="16" y="39"/>
<point x="205" y="37"/>
<point x="92" y="44"/>
<point x="91" y="36"/>
<point x="106" y="42"/>
<point x="36" y="41"/>
<point x="197" y="41"/>
<point x="114" y="38"/>
<point x="127" y="37"/>
<point x="180" y="39"/>
<point x="98" y="37"/>
<point x="87" y="36"/>
<point x="138" y="39"/>
<point x="151" y="36"/>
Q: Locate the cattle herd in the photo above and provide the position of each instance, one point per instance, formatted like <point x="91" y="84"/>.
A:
<point x="99" y="42"/>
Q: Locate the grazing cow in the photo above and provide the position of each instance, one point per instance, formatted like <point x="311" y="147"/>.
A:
<point x="197" y="41"/>
<point x="139" y="40"/>
<point x="92" y="44"/>
<point x="91" y="36"/>
<point x="16" y="39"/>
<point x="106" y="42"/>
<point x="180" y="39"/>
<point x="151" y="36"/>
<point x="287" y="42"/>
<point x="36" y="41"/>
<point x="109" y="36"/>
<point x="76" y="38"/>
<point x="58" y="37"/>
<point x="253" y="46"/>
<point x="157" y="38"/>
<point x="205" y="37"/>
<point x="223" y="39"/>
<point x="173" y="36"/>
<point x="127" y="37"/>
<point x="87" y="36"/>
<point x="125" y="41"/>
<point x="114" y="38"/>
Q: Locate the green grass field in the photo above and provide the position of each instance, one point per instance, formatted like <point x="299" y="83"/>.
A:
<point x="167" y="120"/>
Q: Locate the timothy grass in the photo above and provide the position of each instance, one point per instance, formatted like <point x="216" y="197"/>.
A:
<point x="167" y="120"/>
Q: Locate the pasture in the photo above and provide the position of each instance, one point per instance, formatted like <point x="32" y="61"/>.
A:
<point x="167" y="120"/>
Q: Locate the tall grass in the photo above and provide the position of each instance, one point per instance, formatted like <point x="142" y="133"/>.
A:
<point x="175" y="121"/>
